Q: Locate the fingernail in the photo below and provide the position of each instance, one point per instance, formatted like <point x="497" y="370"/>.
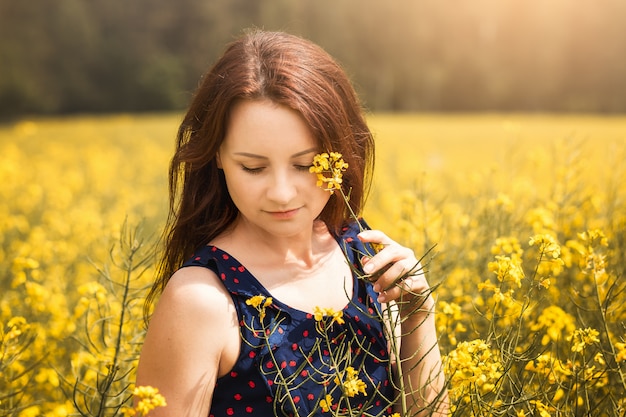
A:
<point x="376" y="288"/>
<point x="367" y="268"/>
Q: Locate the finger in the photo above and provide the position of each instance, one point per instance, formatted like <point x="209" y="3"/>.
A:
<point x="375" y="236"/>
<point x="391" y="254"/>
<point x="377" y="241"/>
<point x="401" y="291"/>
<point x="394" y="275"/>
<point x="377" y="272"/>
<point x="400" y="284"/>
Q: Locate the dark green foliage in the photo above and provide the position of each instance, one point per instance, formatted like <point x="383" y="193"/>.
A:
<point x="408" y="55"/>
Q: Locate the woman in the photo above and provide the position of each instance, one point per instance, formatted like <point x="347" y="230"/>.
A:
<point x="259" y="312"/>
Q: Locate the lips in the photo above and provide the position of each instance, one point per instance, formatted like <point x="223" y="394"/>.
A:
<point x="284" y="214"/>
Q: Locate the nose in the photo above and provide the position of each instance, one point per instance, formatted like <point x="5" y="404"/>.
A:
<point x="282" y="188"/>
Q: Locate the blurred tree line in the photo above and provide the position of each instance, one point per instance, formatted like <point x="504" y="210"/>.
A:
<point x="62" y="56"/>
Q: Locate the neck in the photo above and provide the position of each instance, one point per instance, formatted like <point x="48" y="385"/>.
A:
<point x="303" y="250"/>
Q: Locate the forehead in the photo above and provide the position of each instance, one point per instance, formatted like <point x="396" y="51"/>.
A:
<point x="263" y="124"/>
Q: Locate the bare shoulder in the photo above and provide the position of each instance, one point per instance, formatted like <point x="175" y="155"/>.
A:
<point x="195" y="290"/>
<point x="191" y="331"/>
<point x="193" y="298"/>
<point x="193" y="307"/>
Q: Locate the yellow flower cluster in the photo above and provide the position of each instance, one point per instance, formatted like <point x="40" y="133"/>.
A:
<point x="351" y="386"/>
<point x="473" y="365"/>
<point x="508" y="245"/>
<point x="63" y="205"/>
<point x="15" y="328"/>
<point x="547" y="245"/>
<point x="555" y="322"/>
<point x="582" y="338"/>
<point x="350" y="382"/>
<point x="562" y="286"/>
<point x="449" y="321"/>
<point x="320" y="314"/>
<point x="526" y="208"/>
<point x="550" y="262"/>
<point x="260" y="302"/>
<point x="507" y="269"/>
<point x="148" y="399"/>
<point x="329" y="167"/>
<point x="553" y="369"/>
<point x="593" y="239"/>
<point x="326" y="403"/>
<point x="541" y="408"/>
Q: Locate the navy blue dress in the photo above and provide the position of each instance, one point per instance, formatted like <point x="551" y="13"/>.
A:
<point x="286" y="365"/>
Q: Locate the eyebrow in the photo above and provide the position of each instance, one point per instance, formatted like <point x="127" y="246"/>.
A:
<point x="295" y="155"/>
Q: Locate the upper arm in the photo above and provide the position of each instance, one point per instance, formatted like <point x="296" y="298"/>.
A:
<point x="181" y="355"/>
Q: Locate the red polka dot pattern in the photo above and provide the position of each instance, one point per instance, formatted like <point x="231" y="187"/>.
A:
<point x="293" y="346"/>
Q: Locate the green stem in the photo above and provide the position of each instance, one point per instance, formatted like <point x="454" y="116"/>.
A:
<point x="283" y="380"/>
<point x="392" y="323"/>
<point x="110" y="378"/>
<point x="396" y="351"/>
<point x="346" y="199"/>
<point x="606" y="325"/>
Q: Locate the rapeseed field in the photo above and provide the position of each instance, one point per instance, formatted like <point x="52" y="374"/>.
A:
<point x="521" y="220"/>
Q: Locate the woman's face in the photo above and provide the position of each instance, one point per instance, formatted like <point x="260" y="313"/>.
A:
<point x="266" y="156"/>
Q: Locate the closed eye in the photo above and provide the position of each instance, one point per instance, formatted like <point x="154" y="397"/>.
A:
<point x="303" y="167"/>
<point x="250" y="170"/>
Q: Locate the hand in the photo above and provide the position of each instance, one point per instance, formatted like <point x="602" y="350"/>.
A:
<point x="396" y="272"/>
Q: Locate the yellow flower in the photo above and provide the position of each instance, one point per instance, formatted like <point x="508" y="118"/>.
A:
<point x="541" y="219"/>
<point x="329" y="168"/>
<point x="32" y="411"/>
<point x="507" y="246"/>
<point x="326" y="403"/>
<point x="352" y="384"/>
<point x="260" y="302"/>
<point x="543" y="410"/>
<point x="504" y="267"/>
<point x="319" y="314"/>
<point x="487" y="285"/>
<point x="255" y="301"/>
<point x="547" y="245"/>
<point x="337" y="317"/>
<point x="558" y="395"/>
<point x="555" y="321"/>
<point x="149" y="399"/>
<point x="48" y="376"/>
<point x="599" y="358"/>
<point x="550" y="367"/>
<point x="550" y="262"/>
<point x="583" y="337"/>
<point x="545" y="283"/>
<point x="17" y="326"/>
<point x="621" y="352"/>
<point x="24" y="263"/>
<point x="594" y="238"/>
<point x="451" y="309"/>
<point x="473" y="363"/>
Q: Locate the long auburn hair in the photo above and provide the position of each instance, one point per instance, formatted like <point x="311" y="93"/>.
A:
<point x="288" y="71"/>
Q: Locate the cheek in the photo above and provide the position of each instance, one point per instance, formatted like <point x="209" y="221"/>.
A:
<point x="317" y="192"/>
<point x="236" y="184"/>
<point x="324" y="196"/>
